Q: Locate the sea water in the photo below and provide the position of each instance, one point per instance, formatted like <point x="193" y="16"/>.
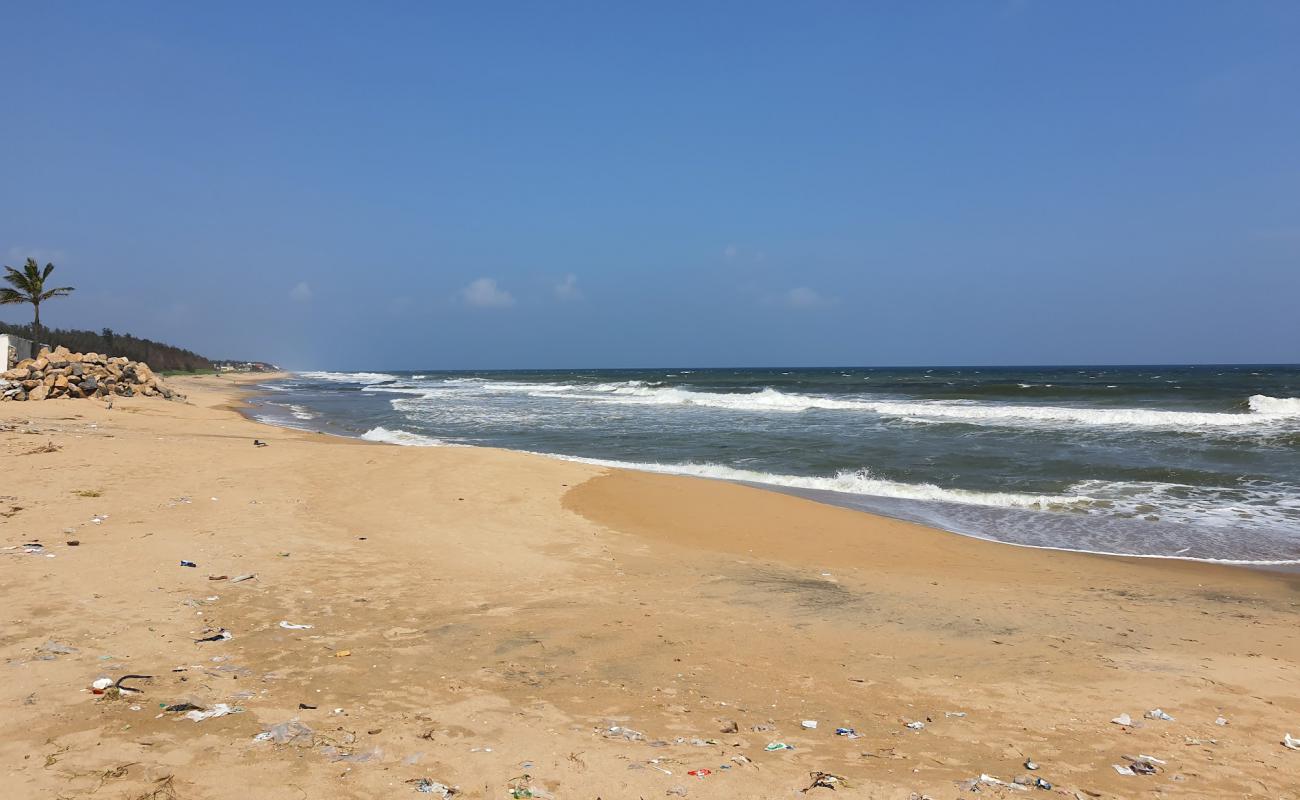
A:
<point x="1198" y="462"/>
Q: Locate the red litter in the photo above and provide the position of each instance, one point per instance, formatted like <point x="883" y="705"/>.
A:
<point x="700" y="773"/>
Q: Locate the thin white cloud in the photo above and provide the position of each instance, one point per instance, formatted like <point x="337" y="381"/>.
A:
<point x="801" y="297"/>
<point x="300" y="293"/>
<point x="484" y="293"/>
<point x="567" y="289"/>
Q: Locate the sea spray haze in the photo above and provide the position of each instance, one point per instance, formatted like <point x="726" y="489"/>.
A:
<point x="1193" y="462"/>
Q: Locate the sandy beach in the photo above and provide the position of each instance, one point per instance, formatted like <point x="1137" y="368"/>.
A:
<point x="511" y="625"/>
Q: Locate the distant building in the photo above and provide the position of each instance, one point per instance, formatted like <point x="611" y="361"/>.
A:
<point x="15" y="349"/>
<point x="244" y="366"/>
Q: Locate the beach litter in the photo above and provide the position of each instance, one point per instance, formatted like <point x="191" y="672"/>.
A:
<point x="986" y="779"/>
<point x="219" y="710"/>
<point x="287" y="625"/>
<point x="916" y="726"/>
<point x="427" y="786"/>
<point x="188" y="564"/>
<point x="1123" y="719"/>
<point x="824" y="780"/>
<point x="620" y="732"/>
<point x="1221" y="721"/>
<point x="57" y="648"/>
<point x="700" y="773"/>
<point x="521" y="788"/>
<point x="242" y="578"/>
<point x="1290" y="743"/>
<point x="1157" y="713"/>
<point x="343" y="654"/>
<point x="338" y="754"/>
<point x="291" y="732"/>
<point x="1030" y="764"/>
<point x="116" y="688"/>
<point x="220" y="636"/>
<point x="849" y="732"/>
<point x="775" y="746"/>
<point x="810" y="724"/>
<point x="1139" y="765"/>
<point x="259" y="443"/>
<point x="954" y="713"/>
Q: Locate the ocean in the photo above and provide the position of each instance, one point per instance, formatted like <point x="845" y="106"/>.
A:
<point x="1194" y="462"/>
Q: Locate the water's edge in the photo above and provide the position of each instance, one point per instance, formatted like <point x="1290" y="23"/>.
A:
<point x="893" y="508"/>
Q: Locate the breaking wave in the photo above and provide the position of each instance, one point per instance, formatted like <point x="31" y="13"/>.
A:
<point x="1275" y="406"/>
<point x="349" y="377"/>
<point x="1262" y="409"/>
<point x="848" y="481"/>
<point x="399" y="436"/>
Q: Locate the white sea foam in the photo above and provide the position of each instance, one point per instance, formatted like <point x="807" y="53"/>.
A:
<point x="1263" y="410"/>
<point x="1275" y="406"/>
<point x="1255" y="504"/>
<point x="399" y="436"/>
<point x="849" y="481"/>
<point x="349" y="377"/>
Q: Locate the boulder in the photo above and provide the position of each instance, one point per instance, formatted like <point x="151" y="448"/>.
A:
<point x="59" y="373"/>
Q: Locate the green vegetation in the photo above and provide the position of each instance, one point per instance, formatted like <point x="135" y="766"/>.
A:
<point x="28" y="286"/>
<point x="160" y="357"/>
<point x="167" y="373"/>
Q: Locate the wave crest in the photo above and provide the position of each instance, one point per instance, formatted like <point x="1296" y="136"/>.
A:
<point x="1275" y="406"/>
<point x="848" y="481"/>
<point x="399" y="436"/>
<point x="349" y="377"/>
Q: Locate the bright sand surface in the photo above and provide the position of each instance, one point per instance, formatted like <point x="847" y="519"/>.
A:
<point x="478" y="615"/>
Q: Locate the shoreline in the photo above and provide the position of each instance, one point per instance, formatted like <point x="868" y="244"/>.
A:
<point x="476" y="610"/>
<point x="819" y="496"/>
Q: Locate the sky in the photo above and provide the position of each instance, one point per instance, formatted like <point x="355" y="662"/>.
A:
<point x="514" y="185"/>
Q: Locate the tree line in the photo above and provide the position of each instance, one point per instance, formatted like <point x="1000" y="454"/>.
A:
<point x="160" y="357"/>
<point x="27" y="287"/>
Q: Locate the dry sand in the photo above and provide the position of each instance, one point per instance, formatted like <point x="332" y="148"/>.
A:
<point x="500" y="612"/>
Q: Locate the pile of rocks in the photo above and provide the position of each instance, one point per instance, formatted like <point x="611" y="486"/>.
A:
<point x="65" y="374"/>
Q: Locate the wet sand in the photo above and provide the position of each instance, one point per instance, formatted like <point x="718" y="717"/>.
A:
<point x="480" y="615"/>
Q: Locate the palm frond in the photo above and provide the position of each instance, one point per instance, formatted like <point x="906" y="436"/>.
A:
<point x="8" y="296"/>
<point x="15" y="278"/>
<point x="62" y="291"/>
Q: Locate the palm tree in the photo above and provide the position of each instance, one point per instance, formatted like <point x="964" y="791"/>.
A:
<point x="29" y="287"/>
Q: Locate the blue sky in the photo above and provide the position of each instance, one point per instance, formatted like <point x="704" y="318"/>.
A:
<point x="417" y="185"/>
